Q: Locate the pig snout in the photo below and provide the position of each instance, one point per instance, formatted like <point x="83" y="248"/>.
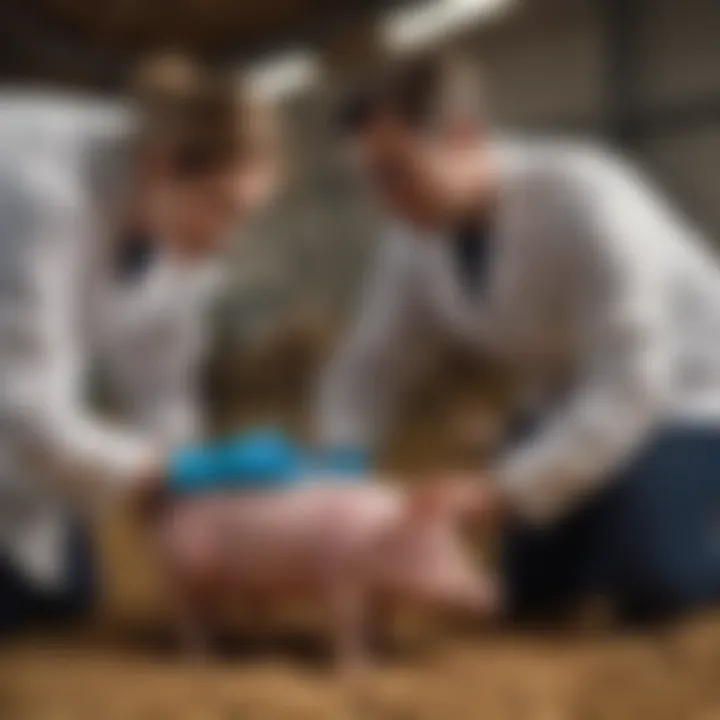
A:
<point x="438" y="571"/>
<point x="456" y="584"/>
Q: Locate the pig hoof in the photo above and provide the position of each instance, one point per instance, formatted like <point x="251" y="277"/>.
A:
<point x="354" y="670"/>
<point x="195" y="657"/>
<point x="196" y="648"/>
<point x="495" y="600"/>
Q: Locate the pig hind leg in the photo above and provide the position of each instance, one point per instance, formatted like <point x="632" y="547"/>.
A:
<point x="379" y="621"/>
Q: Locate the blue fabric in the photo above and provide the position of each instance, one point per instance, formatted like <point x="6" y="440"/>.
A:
<point x="341" y="461"/>
<point x="258" y="460"/>
<point x="650" y="541"/>
<point x="22" y="604"/>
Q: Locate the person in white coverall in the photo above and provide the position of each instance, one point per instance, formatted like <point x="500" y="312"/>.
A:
<point x="110" y="219"/>
<point x="561" y="261"/>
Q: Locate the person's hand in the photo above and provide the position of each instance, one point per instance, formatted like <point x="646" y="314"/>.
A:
<point x="149" y="486"/>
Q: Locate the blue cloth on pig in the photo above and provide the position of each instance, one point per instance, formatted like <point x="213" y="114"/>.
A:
<point x="341" y="462"/>
<point x="264" y="459"/>
<point x="254" y="460"/>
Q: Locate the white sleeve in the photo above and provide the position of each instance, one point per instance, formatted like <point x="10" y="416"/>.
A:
<point x="166" y="405"/>
<point x="165" y="400"/>
<point x="625" y="380"/>
<point x="41" y="353"/>
<point x="365" y="377"/>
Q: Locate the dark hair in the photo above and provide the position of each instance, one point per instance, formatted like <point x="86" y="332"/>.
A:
<point x="201" y="117"/>
<point x="420" y="91"/>
<point x="408" y="89"/>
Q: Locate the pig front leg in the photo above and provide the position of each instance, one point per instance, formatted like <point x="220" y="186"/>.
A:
<point x="194" y="638"/>
<point x="189" y="613"/>
<point x="379" y="619"/>
<point x="348" y="608"/>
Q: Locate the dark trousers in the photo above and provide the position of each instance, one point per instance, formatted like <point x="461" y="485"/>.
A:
<point x="23" y="605"/>
<point x="650" y="541"/>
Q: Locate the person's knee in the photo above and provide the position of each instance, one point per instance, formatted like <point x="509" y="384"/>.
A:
<point x="662" y="584"/>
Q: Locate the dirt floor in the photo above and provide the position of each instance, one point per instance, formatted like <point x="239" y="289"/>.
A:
<point x="672" y="675"/>
<point x="127" y="667"/>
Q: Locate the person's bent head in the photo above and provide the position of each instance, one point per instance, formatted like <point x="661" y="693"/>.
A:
<point x="207" y="155"/>
<point x="417" y="132"/>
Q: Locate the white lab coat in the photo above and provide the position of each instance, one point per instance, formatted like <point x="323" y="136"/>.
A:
<point x="63" y="313"/>
<point x="595" y="286"/>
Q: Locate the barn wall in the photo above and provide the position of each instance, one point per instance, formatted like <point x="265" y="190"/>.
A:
<point x="643" y="74"/>
<point x="679" y="89"/>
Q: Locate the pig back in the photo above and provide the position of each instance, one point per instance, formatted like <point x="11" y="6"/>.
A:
<point x="285" y="539"/>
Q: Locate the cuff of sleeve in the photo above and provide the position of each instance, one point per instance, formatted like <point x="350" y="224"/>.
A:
<point x="133" y="462"/>
<point x="101" y="449"/>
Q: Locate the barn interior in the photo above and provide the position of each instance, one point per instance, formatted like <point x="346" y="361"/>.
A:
<point x="641" y="75"/>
